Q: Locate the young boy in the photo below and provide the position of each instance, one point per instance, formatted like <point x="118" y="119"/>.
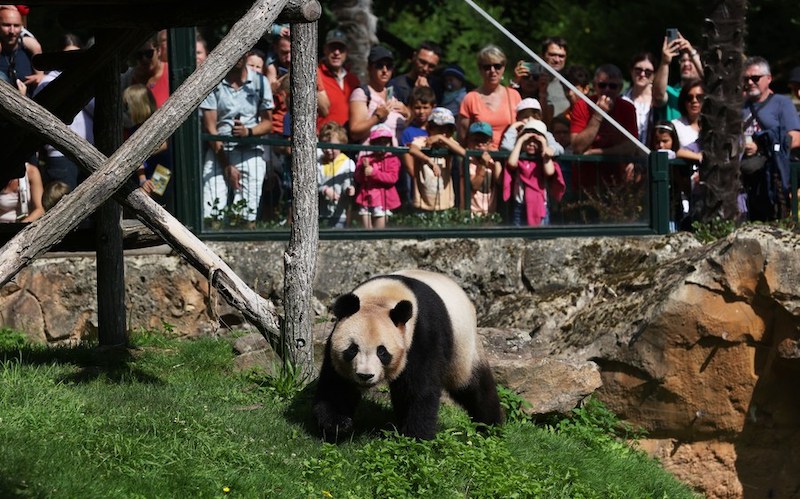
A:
<point x="334" y="176"/>
<point x="433" y="182"/>
<point x="528" y="109"/>
<point x="421" y="103"/>
<point x="527" y="181"/>
<point x="484" y="171"/>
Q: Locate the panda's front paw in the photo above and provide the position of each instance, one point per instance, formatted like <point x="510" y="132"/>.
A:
<point x="333" y="426"/>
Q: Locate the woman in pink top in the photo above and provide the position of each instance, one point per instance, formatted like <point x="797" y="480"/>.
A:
<point x="491" y="102"/>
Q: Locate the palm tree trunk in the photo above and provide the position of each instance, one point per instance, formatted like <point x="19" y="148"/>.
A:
<point x="721" y="120"/>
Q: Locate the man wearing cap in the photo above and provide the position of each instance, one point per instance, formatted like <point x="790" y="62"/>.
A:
<point x="374" y="103"/>
<point x="423" y="63"/>
<point x="528" y="109"/>
<point x="334" y="82"/>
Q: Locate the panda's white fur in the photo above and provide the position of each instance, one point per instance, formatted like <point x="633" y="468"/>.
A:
<point x="388" y="312"/>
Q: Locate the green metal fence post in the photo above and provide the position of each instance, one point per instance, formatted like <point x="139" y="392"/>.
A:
<point x="186" y="151"/>
<point x="659" y="187"/>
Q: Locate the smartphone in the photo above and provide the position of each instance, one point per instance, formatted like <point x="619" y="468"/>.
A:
<point x="389" y="93"/>
<point x="672" y="34"/>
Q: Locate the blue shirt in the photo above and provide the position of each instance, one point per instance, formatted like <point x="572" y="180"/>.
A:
<point x="410" y="133"/>
<point x="242" y="103"/>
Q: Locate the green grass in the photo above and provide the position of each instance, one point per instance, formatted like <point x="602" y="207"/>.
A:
<point x="169" y="418"/>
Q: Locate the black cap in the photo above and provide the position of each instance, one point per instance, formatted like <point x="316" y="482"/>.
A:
<point x="794" y="75"/>
<point x="378" y="53"/>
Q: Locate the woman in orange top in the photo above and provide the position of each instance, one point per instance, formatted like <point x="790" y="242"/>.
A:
<point x="491" y="102"/>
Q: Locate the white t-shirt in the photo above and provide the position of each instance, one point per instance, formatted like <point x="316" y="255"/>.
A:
<point x="686" y="134"/>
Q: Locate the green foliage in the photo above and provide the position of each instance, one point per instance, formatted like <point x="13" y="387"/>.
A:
<point x="595" y="425"/>
<point x="717" y="228"/>
<point x="11" y="339"/>
<point x="147" y="337"/>
<point x="451" y="218"/>
<point x="513" y="405"/>
<point x="234" y="216"/>
<point x="280" y="387"/>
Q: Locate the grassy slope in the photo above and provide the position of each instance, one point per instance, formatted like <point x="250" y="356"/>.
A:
<point x="173" y="421"/>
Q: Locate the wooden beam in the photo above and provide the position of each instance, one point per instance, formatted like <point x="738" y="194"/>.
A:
<point x="199" y="13"/>
<point x="113" y="173"/>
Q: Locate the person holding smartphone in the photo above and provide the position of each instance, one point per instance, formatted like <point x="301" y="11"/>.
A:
<point x="665" y="96"/>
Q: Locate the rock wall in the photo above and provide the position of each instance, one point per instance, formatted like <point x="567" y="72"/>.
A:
<point x="698" y="345"/>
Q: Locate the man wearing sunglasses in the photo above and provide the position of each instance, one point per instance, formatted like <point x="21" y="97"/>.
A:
<point x="592" y="134"/>
<point x="149" y="70"/>
<point x="423" y="62"/>
<point x="771" y="129"/>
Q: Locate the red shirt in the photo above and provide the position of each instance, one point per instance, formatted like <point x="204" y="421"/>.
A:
<point x="625" y="113"/>
<point x="339" y="96"/>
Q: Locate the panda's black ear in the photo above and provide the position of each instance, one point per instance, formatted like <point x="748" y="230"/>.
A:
<point x="401" y="312"/>
<point x="346" y="305"/>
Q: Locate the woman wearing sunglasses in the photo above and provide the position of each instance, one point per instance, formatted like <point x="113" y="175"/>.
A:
<point x="640" y="93"/>
<point x="374" y="104"/>
<point x="491" y="102"/>
<point x="690" y="103"/>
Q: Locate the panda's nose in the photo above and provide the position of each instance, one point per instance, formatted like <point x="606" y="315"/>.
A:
<point x="365" y="376"/>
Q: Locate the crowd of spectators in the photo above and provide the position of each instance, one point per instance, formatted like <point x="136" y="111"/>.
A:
<point x="441" y="134"/>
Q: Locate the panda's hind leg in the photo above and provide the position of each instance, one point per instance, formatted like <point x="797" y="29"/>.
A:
<point x="480" y="398"/>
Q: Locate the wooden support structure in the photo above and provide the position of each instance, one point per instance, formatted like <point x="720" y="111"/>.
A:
<point x="110" y="174"/>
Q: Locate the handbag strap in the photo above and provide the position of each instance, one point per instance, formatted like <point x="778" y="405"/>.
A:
<point x="754" y="113"/>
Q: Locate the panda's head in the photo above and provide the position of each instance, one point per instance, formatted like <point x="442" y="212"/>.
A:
<point x="369" y="342"/>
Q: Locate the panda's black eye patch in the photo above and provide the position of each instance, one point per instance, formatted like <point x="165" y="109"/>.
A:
<point x="350" y="353"/>
<point x="384" y="355"/>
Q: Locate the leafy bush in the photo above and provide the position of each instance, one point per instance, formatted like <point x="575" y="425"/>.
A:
<point x="11" y="339"/>
<point x="717" y="228"/>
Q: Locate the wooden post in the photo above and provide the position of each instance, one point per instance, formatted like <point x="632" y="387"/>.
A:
<point x="110" y="260"/>
<point x="301" y="254"/>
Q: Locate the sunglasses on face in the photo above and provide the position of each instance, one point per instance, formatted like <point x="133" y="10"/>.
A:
<point x="602" y="85"/>
<point x="383" y="65"/>
<point x="145" y="54"/>
<point x="754" y="78"/>
<point x="696" y="97"/>
<point x="497" y="66"/>
<point x="643" y="71"/>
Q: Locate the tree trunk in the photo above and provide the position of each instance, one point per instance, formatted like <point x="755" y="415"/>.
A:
<point x="110" y="261"/>
<point x="721" y="120"/>
<point x="301" y="254"/>
<point x="355" y="18"/>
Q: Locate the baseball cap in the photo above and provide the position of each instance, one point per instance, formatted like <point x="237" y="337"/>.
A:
<point x="481" y="127"/>
<point x="794" y="75"/>
<point x="380" y="131"/>
<point x="336" y="36"/>
<point x="455" y="70"/>
<point x="535" y="126"/>
<point x="529" y="103"/>
<point x="442" y="116"/>
<point x="379" y="52"/>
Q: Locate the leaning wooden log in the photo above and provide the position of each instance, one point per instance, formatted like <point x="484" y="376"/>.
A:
<point x="113" y="173"/>
<point x="199" y="13"/>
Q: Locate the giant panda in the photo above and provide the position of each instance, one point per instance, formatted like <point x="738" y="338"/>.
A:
<point x="417" y="331"/>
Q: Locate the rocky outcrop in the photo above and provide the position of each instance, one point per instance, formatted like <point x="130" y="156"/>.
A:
<point x="697" y="344"/>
